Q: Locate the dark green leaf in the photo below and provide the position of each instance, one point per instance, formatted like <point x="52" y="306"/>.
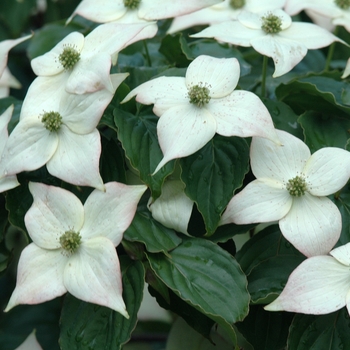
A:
<point x="213" y="173"/>
<point x="321" y="332"/>
<point x="138" y="135"/>
<point x="7" y="102"/>
<point x="206" y="277"/>
<point x="86" y="326"/>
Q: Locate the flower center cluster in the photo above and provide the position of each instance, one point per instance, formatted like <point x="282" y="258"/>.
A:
<point x="237" y="4"/>
<point x="343" y="4"/>
<point x="70" y="241"/>
<point x="199" y="95"/>
<point x="132" y="4"/>
<point x="52" y="121"/>
<point x="271" y="24"/>
<point x="297" y="186"/>
<point x="69" y="57"/>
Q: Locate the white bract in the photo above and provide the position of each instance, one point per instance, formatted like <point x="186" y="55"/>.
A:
<point x="30" y="343"/>
<point x="229" y="9"/>
<point x="173" y="208"/>
<point x="347" y="70"/>
<point x="7" y="81"/>
<point x="136" y="11"/>
<point x="319" y="285"/>
<point x="73" y="246"/>
<point x="272" y="34"/>
<point x="86" y="61"/>
<point x="337" y="10"/>
<point x="193" y="108"/>
<point x="10" y="181"/>
<point x="59" y="129"/>
<point x="291" y="187"/>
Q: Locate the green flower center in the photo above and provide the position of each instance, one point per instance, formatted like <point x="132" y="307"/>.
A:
<point x="272" y="24"/>
<point x="69" y="57"/>
<point x="237" y="4"/>
<point x="52" y="121"/>
<point x="70" y="241"/>
<point x="343" y="4"/>
<point x="132" y="4"/>
<point x="199" y="95"/>
<point x="297" y="186"/>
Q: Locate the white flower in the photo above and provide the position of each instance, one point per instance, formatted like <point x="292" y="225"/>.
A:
<point x="319" y="285"/>
<point x="173" y="208"/>
<point x="7" y="81"/>
<point x="272" y="34"/>
<point x="136" y="11"/>
<point x="347" y="70"/>
<point x="205" y="102"/>
<point x="73" y="246"/>
<point x="337" y="10"/>
<point x="59" y="129"/>
<point x="291" y="187"/>
<point x="10" y="181"/>
<point x="86" y="61"/>
<point x="5" y="47"/>
<point x="30" y="343"/>
<point x="229" y="9"/>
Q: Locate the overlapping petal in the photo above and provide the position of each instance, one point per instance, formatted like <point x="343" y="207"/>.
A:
<point x="110" y="213"/>
<point x="94" y="274"/>
<point x="39" y="276"/>
<point x="312" y="225"/>
<point x="347" y="70"/>
<point x="342" y="254"/>
<point x="76" y="159"/>
<point x="183" y="130"/>
<point x="53" y="212"/>
<point x="319" y="285"/>
<point x="262" y="200"/>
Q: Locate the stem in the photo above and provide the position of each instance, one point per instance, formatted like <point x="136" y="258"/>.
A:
<point x="263" y="78"/>
<point x="147" y="53"/>
<point x="331" y="51"/>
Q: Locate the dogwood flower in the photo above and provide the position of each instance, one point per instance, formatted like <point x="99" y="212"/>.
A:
<point x="136" y="11"/>
<point x="337" y="10"/>
<point x="6" y="182"/>
<point x="193" y="108"/>
<point x="73" y="246"/>
<point x="229" y="9"/>
<point x="347" y="70"/>
<point x="5" y="47"/>
<point x="291" y="187"/>
<point x="173" y="208"/>
<point x="86" y="61"/>
<point x="319" y="285"/>
<point x="59" y="129"/>
<point x="7" y="81"/>
<point x="272" y="34"/>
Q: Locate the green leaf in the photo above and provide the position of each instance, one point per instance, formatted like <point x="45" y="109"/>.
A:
<point x="283" y="117"/>
<point x="268" y="259"/>
<point x="266" y="330"/>
<point x="156" y="237"/>
<point x="317" y="93"/>
<point x="138" y="135"/>
<point x="206" y="277"/>
<point x="321" y="332"/>
<point x="342" y="201"/>
<point x="176" y="50"/>
<point x="323" y="130"/>
<point x="86" y="326"/>
<point x="226" y="232"/>
<point x="213" y="173"/>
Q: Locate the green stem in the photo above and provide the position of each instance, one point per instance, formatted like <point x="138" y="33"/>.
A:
<point x="263" y="78"/>
<point x="147" y="53"/>
<point x="331" y="51"/>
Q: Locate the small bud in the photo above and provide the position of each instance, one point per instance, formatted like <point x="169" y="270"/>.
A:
<point x="69" y="57"/>
<point x="70" y="241"/>
<point x="132" y="4"/>
<point x="343" y="4"/>
<point x="272" y="24"/>
<point x="199" y="95"/>
<point x="237" y="4"/>
<point x="52" y="121"/>
<point x="297" y="186"/>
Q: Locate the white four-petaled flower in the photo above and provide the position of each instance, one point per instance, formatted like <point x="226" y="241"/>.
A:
<point x="291" y="187"/>
<point x="319" y="285"/>
<point x="73" y="246"/>
<point x="193" y="108"/>
<point x="272" y="34"/>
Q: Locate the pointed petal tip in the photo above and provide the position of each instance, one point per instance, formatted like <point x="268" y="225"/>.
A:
<point x="274" y="306"/>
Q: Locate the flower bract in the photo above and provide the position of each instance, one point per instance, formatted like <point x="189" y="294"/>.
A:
<point x="193" y="108"/>
<point x="291" y="187"/>
<point x="91" y="271"/>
